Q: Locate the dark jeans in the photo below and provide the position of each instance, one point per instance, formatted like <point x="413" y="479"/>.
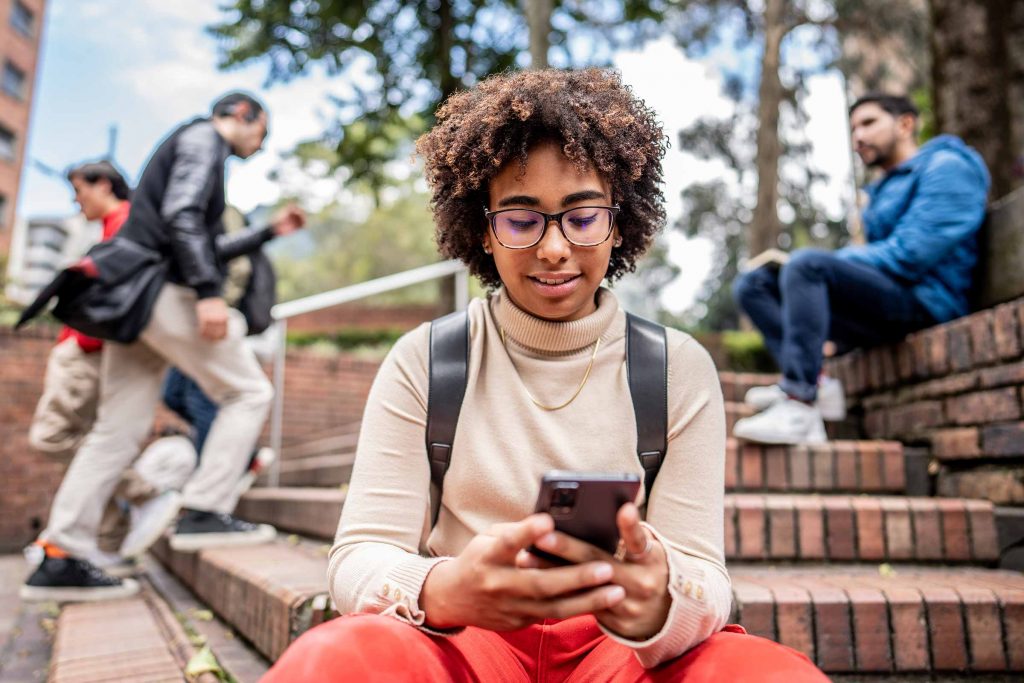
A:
<point x="184" y="397"/>
<point x="818" y="296"/>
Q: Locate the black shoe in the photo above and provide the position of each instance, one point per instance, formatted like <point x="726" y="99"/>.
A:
<point x="68" y="579"/>
<point x="198" y="529"/>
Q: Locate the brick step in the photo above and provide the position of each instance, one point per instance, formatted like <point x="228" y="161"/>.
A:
<point x="855" y="619"/>
<point x="848" y="619"/>
<point x="270" y="593"/>
<point x="838" y="466"/>
<point x="736" y="384"/>
<point x="132" y="640"/>
<point x="736" y="410"/>
<point x="772" y="527"/>
<point x="850" y="466"/>
<point x="317" y="470"/>
<point x="312" y="511"/>
<point x="234" y="655"/>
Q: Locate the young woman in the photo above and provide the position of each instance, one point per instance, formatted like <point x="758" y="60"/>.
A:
<point x="545" y="183"/>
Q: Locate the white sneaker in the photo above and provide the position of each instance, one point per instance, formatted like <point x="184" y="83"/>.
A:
<point x="831" y="401"/>
<point x="149" y="521"/>
<point x="263" y="459"/>
<point x="786" y="422"/>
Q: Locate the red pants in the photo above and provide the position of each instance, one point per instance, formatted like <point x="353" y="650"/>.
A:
<point x="375" y="648"/>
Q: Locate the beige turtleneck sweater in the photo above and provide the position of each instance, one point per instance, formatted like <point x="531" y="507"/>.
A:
<point x="385" y="547"/>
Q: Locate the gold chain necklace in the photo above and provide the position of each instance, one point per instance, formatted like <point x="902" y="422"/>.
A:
<point x="576" y="393"/>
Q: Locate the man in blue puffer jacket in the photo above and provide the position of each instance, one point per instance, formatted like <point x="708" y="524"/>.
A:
<point x="921" y="224"/>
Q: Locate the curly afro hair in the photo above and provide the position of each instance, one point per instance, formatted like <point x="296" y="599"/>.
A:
<point x="595" y="118"/>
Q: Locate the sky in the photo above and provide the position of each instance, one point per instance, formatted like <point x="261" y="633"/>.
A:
<point x="147" y="65"/>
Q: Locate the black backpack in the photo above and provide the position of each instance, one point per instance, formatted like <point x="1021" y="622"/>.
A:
<point x="646" y="367"/>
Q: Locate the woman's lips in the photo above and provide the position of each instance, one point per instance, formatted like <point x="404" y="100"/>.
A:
<point x="555" y="285"/>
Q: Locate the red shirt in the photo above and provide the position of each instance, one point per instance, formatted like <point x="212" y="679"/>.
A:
<point x="112" y="222"/>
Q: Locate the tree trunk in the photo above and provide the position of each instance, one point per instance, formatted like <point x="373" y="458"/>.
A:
<point x="538" y="17"/>
<point x="978" y="81"/>
<point x="764" y="231"/>
<point x="445" y="43"/>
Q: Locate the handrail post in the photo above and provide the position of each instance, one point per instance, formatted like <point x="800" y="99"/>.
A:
<point x="461" y="289"/>
<point x="277" y="414"/>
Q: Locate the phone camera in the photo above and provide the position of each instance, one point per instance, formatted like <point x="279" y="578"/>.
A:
<point x="563" y="498"/>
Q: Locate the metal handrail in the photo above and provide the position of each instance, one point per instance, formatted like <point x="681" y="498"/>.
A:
<point x="343" y="295"/>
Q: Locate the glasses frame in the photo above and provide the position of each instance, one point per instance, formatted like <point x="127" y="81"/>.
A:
<point x="557" y="218"/>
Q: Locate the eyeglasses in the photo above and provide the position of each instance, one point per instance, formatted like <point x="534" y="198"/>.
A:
<point x="584" y="226"/>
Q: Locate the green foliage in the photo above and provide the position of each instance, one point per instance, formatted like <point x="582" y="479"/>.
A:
<point x="746" y="352"/>
<point x="347" y="339"/>
<point x="401" y="58"/>
<point x="922" y="98"/>
<point x="816" y="41"/>
<point x="396" y="236"/>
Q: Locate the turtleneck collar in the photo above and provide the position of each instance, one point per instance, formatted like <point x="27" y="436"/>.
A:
<point x="538" y="334"/>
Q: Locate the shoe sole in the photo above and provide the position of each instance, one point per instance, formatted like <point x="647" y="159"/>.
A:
<point x="127" y="589"/>
<point x="143" y="543"/>
<point x="194" y="542"/>
<point x="121" y="571"/>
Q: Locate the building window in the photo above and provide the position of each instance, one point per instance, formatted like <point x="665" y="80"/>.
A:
<point x="22" y="19"/>
<point x="7" y="147"/>
<point x="13" y="81"/>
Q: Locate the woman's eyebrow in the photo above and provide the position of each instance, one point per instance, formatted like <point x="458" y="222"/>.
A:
<point x="527" y="200"/>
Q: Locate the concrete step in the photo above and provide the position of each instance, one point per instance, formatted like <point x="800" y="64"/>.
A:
<point x="910" y="619"/>
<point x="26" y="629"/>
<point x="317" y="470"/>
<point x="847" y="618"/>
<point x="763" y="527"/>
<point x="134" y="640"/>
<point x="269" y="593"/>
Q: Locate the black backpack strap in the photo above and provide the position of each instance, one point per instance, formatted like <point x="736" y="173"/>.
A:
<point x="647" y="368"/>
<point x="449" y="363"/>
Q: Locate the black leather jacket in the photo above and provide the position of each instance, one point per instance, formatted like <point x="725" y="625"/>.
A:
<point x="178" y="204"/>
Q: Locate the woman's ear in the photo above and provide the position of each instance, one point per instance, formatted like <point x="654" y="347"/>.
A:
<point x="487" y="243"/>
<point x="616" y="237"/>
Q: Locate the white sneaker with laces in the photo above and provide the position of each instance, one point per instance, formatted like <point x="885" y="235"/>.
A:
<point x="149" y="521"/>
<point x="786" y="422"/>
<point x="831" y="401"/>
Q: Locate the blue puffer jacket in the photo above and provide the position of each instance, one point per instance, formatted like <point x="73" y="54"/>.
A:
<point x="922" y="224"/>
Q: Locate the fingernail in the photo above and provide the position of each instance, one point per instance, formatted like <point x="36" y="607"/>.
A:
<point x="547" y="540"/>
<point x="602" y="572"/>
<point x="615" y="595"/>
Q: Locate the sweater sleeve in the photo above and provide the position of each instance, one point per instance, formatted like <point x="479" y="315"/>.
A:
<point x="375" y="564"/>
<point x="685" y="510"/>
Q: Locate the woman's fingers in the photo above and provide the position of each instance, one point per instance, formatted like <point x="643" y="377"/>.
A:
<point x="570" y="549"/>
<point x="633" y="535"/>
<point x="550" y="583"/>
<point x="586" y="602"/>
<point x="513" y="537"/>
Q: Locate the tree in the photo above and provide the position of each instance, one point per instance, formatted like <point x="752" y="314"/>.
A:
<point x="401" y="58"/>
<point x="762" y="144"/>
<point x="978" y="81"/>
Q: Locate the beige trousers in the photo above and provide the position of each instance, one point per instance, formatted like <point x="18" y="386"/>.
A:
<point x="131" y="379"/>
<point x="67" y="409"/>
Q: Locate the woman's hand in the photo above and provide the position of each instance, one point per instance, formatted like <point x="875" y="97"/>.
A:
<point x="642" y="571"/>
<point x="483" y="586"/>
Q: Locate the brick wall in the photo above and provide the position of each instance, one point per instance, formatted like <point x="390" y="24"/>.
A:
<point x="321" y="393"/>
<point x="365" y="317"/>
<point x="957" y="388"/>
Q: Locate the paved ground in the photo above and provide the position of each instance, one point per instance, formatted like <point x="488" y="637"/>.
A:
<point x="26" y="631"/>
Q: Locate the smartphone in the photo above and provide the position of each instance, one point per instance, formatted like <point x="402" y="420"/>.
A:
<point x="584" y="506"/>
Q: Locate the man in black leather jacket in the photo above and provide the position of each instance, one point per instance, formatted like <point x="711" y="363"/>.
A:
<point x="176" y="210"/>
